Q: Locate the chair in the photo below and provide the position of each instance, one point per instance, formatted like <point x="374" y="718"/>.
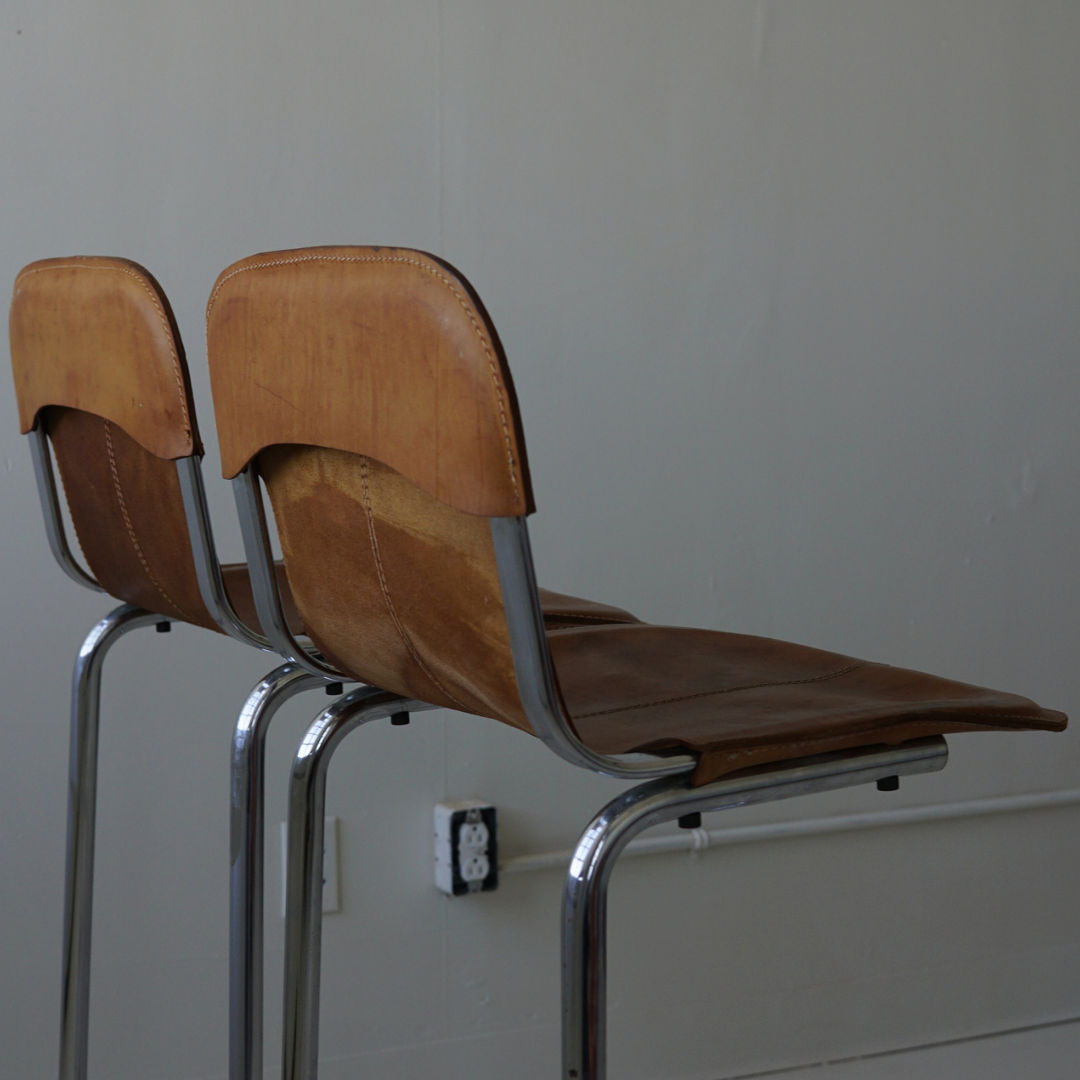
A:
<point x="100" y="373"/>
<point x="366" y="389"/>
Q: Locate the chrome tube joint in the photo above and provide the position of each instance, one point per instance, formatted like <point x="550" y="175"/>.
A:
<point x="533" y="669"/>
<point x="207" y="568"/>
<point x="264" y="584"/>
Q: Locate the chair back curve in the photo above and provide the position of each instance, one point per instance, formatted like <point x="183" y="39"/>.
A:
<point x="98" y="363"/>
<point x="369" y="388"/>
<point x="98" y="335"/>
<point x="385" y="352"/>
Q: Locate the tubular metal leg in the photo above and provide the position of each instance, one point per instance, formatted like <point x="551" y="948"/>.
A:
<point x="82" y="794"/>
<point x="584" y="930"/>
<point x="303" y="897"/>
<point x="246" y="865"/>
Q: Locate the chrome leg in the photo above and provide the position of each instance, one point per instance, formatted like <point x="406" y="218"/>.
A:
<point x="82" y="794"/>
<point x="303" y="897"/>
<point x="246" y="865"/>
<point x="584" y="917"/>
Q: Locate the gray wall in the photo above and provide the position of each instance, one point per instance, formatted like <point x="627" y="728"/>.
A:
<point x="790" y="294"/>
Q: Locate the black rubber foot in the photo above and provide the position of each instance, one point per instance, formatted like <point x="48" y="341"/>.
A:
<point x="399" y="719"/>
<point x="334" y="688"/>
<point x="690" y="821"/>
<point x="163" y="627"/>
<point x="889" y="783"/>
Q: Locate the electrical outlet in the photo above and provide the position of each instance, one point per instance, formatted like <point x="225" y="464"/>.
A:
<point x="331" y="891"/>
<point x="466" y="847"/>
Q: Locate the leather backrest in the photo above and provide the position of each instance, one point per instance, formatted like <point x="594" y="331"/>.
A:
<point x="384" y="352"/>
<point x="394" y="587"/>
<point x="97" y="334"/>
<point x="370" y="389"/>
<point x="128" y="514"/>
<point x="98" y="361"/>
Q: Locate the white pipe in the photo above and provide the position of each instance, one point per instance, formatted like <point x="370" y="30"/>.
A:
<point x="699" y="839"/>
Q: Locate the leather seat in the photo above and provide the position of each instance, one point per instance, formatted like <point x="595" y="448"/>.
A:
<point x="562" y="612"/>
<point x="739" y="700"/>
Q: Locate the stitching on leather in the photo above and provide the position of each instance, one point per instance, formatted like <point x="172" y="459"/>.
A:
<point x="466" y="307"/>
<point x="161" y="316"/>
<point x="131" y="532"/>
<point x="729" y="690"/>
<point x="386" y="590"/>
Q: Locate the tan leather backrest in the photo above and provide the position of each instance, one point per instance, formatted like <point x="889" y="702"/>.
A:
<point x="384" y="352"/>
<point x="369" y="387"/>
<point x="395" y="587"/>
<point x="128" y="514"/>
<point x="98" y="362"/>
<point x="97" y="334"/>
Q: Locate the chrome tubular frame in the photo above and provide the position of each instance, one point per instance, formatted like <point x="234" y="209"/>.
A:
<point x="82" y="801"/>
<point x="304" y="872"/>
<point x="584" y="919"/>
<point x="246" y="866"/>
<point x="532" y="665"/>
<point x="264" y="585"/>
<point x="207" y="567"/>
<point x="50" y="509"/>
<point x="247" y="815"/>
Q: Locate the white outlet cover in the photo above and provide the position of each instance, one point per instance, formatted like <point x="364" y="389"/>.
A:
<point x="445" y="843"/>
<point x="331" y="891"/>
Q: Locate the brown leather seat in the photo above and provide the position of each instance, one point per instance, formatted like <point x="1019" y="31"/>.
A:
<point x="739" y="700"/>
<point x="368" y="388"/>
<point x="562" y="611"/>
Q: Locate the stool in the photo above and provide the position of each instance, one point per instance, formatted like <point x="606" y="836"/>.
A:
<point x="367" y="390"/>
<point x="100" y="371"/>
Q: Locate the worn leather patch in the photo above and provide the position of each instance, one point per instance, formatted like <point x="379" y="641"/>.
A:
<point x="394" y="586"/>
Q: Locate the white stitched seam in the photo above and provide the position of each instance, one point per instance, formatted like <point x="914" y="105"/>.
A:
<point x="131" y="532"/>
<point x="434" y="273"/>
<point x="386" y="591"/>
